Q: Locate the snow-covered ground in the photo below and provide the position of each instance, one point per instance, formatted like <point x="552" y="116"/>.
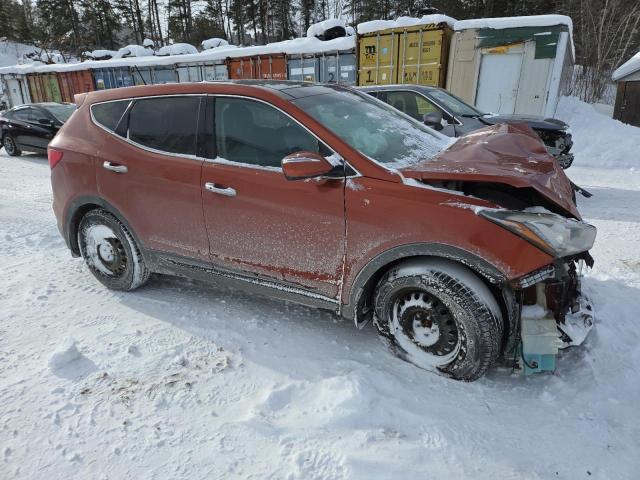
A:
<point x="184" y="380"/>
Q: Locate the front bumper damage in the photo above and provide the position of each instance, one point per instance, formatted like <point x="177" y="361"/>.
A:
<point x="553" y="314"/>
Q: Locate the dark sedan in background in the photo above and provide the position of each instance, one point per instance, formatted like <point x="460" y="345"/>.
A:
<point x="31" y="127"/>
<point x="452" y="116"/>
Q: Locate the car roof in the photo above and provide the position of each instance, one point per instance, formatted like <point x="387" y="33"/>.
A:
<point x="283" y="89"/>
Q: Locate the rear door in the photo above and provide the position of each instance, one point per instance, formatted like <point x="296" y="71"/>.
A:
<point x="258" y="222"/>
<point x="147" y="168"/>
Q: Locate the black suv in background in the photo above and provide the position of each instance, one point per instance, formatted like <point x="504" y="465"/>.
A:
<point x="452" y="116"/>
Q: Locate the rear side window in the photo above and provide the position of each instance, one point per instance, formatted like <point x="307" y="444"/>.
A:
<point x="109" y="114"/>
<point x="165" y="123"/>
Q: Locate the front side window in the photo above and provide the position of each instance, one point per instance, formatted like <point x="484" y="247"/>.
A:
<point x="454" y="104"/>
<point x="24" y="114"/>
<point x="373" y="128"/>
<point x="168" y="124"/>
<point x="411" y="103"/>
<point x="251" y="132"/>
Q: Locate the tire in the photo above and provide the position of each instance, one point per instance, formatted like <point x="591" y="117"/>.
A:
<point x="440" y="316"/>
<point x="10" y="146"/>
<point x="110" y="251"/>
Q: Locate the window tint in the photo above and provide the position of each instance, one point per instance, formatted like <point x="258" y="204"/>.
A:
<point x="165" y="123"/>
<point x="23" y="114"/>
<point x="252" y="132"/>
<point x="109" y="114"/>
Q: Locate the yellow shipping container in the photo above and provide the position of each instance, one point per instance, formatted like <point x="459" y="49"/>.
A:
<point x="416" y="55"/>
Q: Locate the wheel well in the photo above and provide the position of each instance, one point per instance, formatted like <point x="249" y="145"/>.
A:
<point x="502" y="292"/>
<point x="74" y="224"/>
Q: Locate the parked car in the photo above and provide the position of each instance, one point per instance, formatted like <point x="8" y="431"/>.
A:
<point x="31" y="127"/>
<point x="322" y="195"/>
<point x="452" y="116"/>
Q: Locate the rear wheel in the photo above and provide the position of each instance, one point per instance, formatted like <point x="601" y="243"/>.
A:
<point x="11" y="147"/>
<point x="439" y="316"/>
<point x="110" y="251"/>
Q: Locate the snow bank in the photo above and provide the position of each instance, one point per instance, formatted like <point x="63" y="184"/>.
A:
<point x="177" y="49"/>
<point x="319" y="29"/>
<point x="599" y="141"/>
<point x="377" y="25"/>
<point x="213" y="43"/>
<point x="627" y="68"/>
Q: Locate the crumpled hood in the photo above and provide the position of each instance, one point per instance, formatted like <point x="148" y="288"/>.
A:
<point x="533" y="121"/>
<point x="510" y="154"/>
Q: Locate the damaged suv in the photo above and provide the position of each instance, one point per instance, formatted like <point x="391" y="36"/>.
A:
<point x="462" y="253"/>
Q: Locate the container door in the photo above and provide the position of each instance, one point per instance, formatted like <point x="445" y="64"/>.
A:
<point x="220" y="72"/>
<point x="498" y="80"/>
<point x="164" y="75"/>
<point x="420" y="57"/>
<point x="86" y="81"/>
<point x="56" y="94"/>
<point x="346" y="68"/>
<point x="294" y="66"/>
<point x="630" y="104"/>
<point x="378" y="59"/>
<point x="305" y="69"/>
<point x="15" y="95"/>
<point x="98" y="77"/>
<point x="533" y="90"/>
<point x="66" y="90"/>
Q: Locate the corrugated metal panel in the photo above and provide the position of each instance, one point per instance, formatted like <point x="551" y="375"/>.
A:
<point x="51" y="87"/>
<point x="259" y="67"/>
<point x="378" y="58"/>
<point x="338" y="67"/>
<point x="164" y="75"/>
<point x="464" y="65"/>
<point x="304" y="68"/>
<point x="198" y="72"/>
<point x="35" y="90"/>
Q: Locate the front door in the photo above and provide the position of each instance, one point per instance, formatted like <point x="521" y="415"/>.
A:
<point x="258" y="222"/>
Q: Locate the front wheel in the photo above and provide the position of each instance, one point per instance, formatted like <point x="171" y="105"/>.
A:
<point x="11" y="147"/>
<point x="439" y="316"/>
<point x="110" y="251"/>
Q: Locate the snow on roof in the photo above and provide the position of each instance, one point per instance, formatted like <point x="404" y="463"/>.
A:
<point x="291" y="47"/>
<point x="213" y="43"/>
<point x="515" y="22"/>
<point x="377" y="25"/>
<point x="134" y="51"/>
<point x="318" y="29"/>
<point x="177" y="49"/>
<point x="102" y="54"/>
<point x="627" y="68"/>
<point x="147" y="42"/>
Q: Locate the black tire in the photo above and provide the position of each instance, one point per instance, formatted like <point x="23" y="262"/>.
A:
<point x="440" y="316"/>
<point x="10" y="146"/>
<point x="110" y="251"/>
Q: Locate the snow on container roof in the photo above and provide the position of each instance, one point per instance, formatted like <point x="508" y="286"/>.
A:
<point x="177" y="49"/>
<point x="134" y="51"/>
<point x="627" y="68"/>
<point x="318" y="29"/>
<point x="215" y="42"/>
<point x="518" y="22"/>
<point x="377" y="25"/>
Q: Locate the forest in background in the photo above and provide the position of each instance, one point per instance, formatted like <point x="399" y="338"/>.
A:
<point x="606" y="32"/>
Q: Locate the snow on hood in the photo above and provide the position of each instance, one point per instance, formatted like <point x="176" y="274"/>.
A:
<point x="177" y="49"/>
<point x="377" y="25"/>
<point x="627" y="68"/>
<point x="511" y="154"/>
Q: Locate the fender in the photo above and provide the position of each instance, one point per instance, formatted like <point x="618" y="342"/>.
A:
<point x="72" y="220"/>
<point x="367" y="277"/>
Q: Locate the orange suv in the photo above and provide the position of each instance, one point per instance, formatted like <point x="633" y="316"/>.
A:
<point x="462" y="252"/>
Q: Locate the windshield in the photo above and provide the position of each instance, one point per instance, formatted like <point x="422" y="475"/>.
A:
<point x="61" y="112"/>
<point x="454" y="104"/>
<point x="371" y="127"/>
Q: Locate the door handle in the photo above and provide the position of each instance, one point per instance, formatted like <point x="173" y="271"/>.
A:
<point x="226" y="191"/>
<point x="114" y="167"/>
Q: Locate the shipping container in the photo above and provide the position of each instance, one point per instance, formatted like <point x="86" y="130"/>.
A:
<point x="303" y="68"/>
<point x="35" y="88"/>
<point x="198" y="72"/>
<point x="164" y="74"/>
<point x="511" y="66"/>
<point x="415" y="55"/>
<point x="105" y="78"/>
<point x="141" y="75"/>
<point x="258" y="67"/>
<point x="334" y="67"/>
<point x="16" y="86"/>
<point x="72" y="83"/>
<point x="51" y="87"/>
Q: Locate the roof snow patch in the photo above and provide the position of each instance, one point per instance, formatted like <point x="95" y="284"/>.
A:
<point x="627" y="68"/>
<point x="377" y="25"/>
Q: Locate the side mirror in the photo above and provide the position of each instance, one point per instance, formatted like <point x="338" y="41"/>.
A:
<point x="433" y="120"/>
<point x="300" y="165"/>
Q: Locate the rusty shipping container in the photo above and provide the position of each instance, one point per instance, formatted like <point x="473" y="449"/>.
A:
<point x="414" y="55"/>
<point x="258" y="67"/>
<point x="35" y="88"/>
<point x="72" y="83"/>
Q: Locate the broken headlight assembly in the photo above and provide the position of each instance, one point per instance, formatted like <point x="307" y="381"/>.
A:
<point x="556" y="235"/>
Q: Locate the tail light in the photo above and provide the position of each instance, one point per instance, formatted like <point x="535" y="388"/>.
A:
<point x="54" y="157"/>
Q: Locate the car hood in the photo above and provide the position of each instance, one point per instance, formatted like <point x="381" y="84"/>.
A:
<point x="510" y="154"/>
<point x="533" y="121"/>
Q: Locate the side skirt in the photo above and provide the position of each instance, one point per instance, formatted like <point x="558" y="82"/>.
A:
<point x="160" y="262"/>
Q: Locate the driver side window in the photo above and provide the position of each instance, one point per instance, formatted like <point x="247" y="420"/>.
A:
<point x="253" y="133"/>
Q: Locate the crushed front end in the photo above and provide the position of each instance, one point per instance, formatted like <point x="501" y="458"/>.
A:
<point x="553" y="313"/>
<point x="558" y="144"/>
